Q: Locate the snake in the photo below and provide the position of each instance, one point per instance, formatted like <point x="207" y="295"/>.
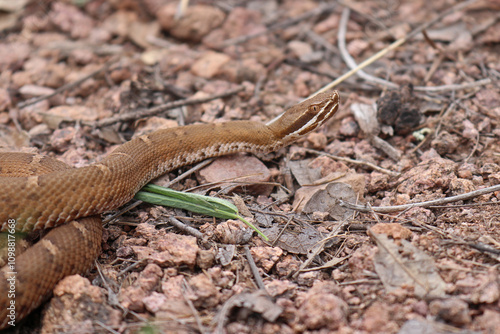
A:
<point x="39" y="193"/>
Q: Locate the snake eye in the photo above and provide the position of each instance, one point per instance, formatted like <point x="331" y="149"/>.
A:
<point x="314" y="109"/>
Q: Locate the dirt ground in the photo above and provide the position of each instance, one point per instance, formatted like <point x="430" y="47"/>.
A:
<point x="347" y="254"/>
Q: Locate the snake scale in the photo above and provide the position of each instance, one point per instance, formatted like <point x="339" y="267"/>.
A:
<point x="40" y="193"/>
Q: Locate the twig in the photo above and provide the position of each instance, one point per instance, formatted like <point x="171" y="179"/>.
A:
<point x="440" y="201"/>
<point x="189" y="172"/>
<point x="330" y="75"/>
<point x="185" y="228"/>
<point x="398" y="43"/>
<point x="156" y="110"/>
<point x="273" y="244"/>
<point x="476" y="145"/>
<point x="385" y="147"/>
<point x="468" y="205"/>
<point x="186" y="287"/>
<point x="320" y="247"/>
<point x="368" y="17"/>
<point x="321" y="41"/>
<point x="351" y="63"/>
<point x="67" y="86"/>
<point x="280" y="25"/>
<point x="485" y="24"/>
<point x="107" y="328"/>
<point x="121" y="212"/>
<point x="253" y="268"/>
<point x="453" y="87"/>
<point x="355" y="162"/>
<point x="132" y="266"/>
<point x="449" y="109"/>
<point x="309" y="67"/>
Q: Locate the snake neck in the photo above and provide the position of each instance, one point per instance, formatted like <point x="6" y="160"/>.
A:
<point x="172" y="148"/>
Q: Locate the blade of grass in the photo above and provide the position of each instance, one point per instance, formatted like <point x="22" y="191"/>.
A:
<point x="205" y="205"/>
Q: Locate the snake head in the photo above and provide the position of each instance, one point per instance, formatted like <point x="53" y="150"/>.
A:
<point x="305" y="117"/>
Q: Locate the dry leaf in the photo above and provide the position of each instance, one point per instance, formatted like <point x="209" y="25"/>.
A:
<point x="406" y="266"/>
<point x="225" y="254"/>
<point x="328" y="200"/>
<point x="447" y="34"/>
<point x="303" y="173"/>
<point x="366" y="116"/>
<point x="54" y="116"/>
<point x="247" y="303"/>
<point x="297" y="241"/>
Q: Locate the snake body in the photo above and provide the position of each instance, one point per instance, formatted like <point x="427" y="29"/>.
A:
<point x="72" y="198"/>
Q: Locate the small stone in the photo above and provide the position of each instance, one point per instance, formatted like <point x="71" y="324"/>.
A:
<point x="349" y="127"/>
<point x="76" y="306"/>
<point x="197" y="21"/>
<point x="393" y="230"/>
<point x="210" y="64"/>
<point x="266" y="257"/>
<point x="205" y="292"/>
<point x="376" y="318"/>
<point x="453" y="310"/>
<point x="322" y="308"/>
<point x="238" y="167"/>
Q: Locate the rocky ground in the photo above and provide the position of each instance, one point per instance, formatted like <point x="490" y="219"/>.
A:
<point x="418" y="124"/>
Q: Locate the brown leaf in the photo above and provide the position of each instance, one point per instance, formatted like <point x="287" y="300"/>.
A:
<point x="297" y="241"/>
<point x="406" y="266"/>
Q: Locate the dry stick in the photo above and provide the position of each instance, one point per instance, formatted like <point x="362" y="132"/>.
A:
<point x="156" y="110"/>
<point x="468" y="205"/>
<point x="453" y="87"/>
<point x="321" y="41"/>
<point x="254" y="269"/>
<point x="232" y="182"/>
<point x="385" y="83"/>
<point x="308" y="67"/>
<point x="185" y="228"/>
<point x="440" y="201"/>
<point x="280" y="25"/>
<point x="485" y="24"/>
<point x="476" y="146"/>
<point x="67" y="86"/>
<point x="320" y="247"/>
<point x="132" y="266"/>
<point x="449" y="109"/>
<point x="355" y="162"/>
<point x="273" y="244"/>
<point x="351" y="63"/>
<point x="106" y="327"/>
<point x="398" y="43"/>
<point x="186" y="287"/>
<point x="189" y="172"/>
<point x="368" y="17"/>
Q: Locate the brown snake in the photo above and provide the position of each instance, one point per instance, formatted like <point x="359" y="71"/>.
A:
<point x="57" y="195"/>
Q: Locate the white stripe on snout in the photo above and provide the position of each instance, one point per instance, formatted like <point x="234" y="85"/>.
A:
<point x="314" y="119"/>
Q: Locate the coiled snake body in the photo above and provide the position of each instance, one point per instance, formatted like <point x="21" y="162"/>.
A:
<point x="40" y="198"/>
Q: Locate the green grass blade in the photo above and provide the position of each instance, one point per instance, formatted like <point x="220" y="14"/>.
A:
<point x="205" y="205"/>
